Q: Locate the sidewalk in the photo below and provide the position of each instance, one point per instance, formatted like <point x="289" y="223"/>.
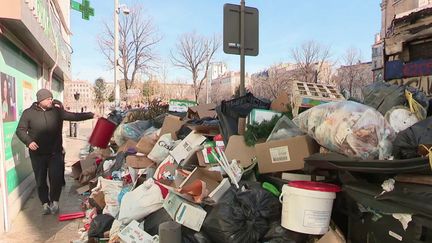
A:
<point x="30" y="225"/>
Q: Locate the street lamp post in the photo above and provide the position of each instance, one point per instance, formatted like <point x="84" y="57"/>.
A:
<point x="125" y="10"/>
<point x="116" y="54"/>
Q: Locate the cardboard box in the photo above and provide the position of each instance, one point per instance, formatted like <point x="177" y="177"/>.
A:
<point x="201" y="111"/>
<point x="281" y="103"/>
<point x="332" y="236"/>
<point x="220" y="190"/>
<point x="146" y="144"/>
<point x="284" y="155"/>
<point x="132" y="233"/>
<point x="211" y="178"/>
<point x="260" y="115"/>
<point x="183" y="212"/>
<point x="139" y="162"/>
<point x="238" y="150"/>
<point x="99" y="198"/>
<point x="187" y="146"/>
<point x="76" y="170"/>
<point x="82" y="165"/>
<point x="171" y="125"/>
<point x="129" y="144"/>
<point x="180" y="105"/>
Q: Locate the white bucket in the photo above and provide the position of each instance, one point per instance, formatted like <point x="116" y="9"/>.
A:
<point x="307" y="206"/>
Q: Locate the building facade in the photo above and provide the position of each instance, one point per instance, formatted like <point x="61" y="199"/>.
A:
<point x="408" y="42"/>
<point x="225" y="86"/>
<point x="85" y="101"/>
<point x="34" y="53"/>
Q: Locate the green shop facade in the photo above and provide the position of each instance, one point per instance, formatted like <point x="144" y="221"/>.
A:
<point x="33" y="55"/>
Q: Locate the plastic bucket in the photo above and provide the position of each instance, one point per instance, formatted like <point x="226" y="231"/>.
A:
<point x="307" y="206"/>
<point x="102" y="133"/>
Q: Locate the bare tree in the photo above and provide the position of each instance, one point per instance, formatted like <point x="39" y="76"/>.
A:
<point x="310" y="58"/>
<point x="194" y="53"/>
<point x="100" y="94"/>
<point x="353" y="74"/>
<point x="272" y="82"/>
<point x="137" y="40"/>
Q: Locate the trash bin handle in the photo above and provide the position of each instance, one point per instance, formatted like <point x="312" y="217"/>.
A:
<point x="282" y="195"/>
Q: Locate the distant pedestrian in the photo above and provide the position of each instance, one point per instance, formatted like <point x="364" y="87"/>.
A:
<point x="40" y="129"/>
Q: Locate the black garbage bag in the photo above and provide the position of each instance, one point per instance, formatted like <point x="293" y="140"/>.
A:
<point x="100" y="224"/>
<point x="383" y="96"/>
<point x="278" y="234"/>
<point x="152" y="221"/>
<point x="242" y="215"/>
<point x="406" y="143"/>
<point x="230" y="111"/>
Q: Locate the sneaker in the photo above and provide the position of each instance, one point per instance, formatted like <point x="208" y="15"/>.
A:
<point x="45" y="209"/>
<point x="54" y="207"/>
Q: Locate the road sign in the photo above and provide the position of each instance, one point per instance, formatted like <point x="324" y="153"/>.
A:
<point x="84" y="8"/>
<point x="231" y="30"/>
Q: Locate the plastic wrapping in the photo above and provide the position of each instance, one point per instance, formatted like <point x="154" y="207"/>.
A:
<point x="349" y="128"/>
<point x="135" y="130"/>
<point x="284" y="128"/>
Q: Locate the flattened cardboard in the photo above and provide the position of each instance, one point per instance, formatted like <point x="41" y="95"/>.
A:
<point x="284" y="155"/>
<point x="238" y="150"/>
<point x="281" y="103"/>
<point x="201" y="111"/>
<point x="146" y="144"/>
<point x="132" y="233"/>
<point x="76" y="170"/>
<point x="130" y="144"/>
<point x="183" y="212"/>
<point x="139" y="162"/>
<point x="83" y="189"/>
<point x="171" y="125"/>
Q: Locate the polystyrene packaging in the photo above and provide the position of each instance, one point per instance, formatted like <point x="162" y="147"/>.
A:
<point x="350" y="128"/>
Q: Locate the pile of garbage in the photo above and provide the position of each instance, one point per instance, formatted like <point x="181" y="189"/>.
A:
<point x="244" y="171"/>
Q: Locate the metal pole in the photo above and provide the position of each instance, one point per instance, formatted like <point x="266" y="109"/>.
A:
<point x="116" y="54"/>
<point x="207" y="75"/>
<point x="242" y="48"/>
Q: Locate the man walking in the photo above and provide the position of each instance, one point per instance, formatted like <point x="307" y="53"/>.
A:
<point x="40" y="129"/>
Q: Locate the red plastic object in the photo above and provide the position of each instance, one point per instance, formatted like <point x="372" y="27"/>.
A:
<point x="315" y="186"/>
<point x="102" y="133"/>
<point x="69" y="216"/>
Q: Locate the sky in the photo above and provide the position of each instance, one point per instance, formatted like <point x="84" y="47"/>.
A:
<point x="283" y="25"/>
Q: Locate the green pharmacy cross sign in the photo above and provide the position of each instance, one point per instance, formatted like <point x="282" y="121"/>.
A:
<point x="84" y="8"/>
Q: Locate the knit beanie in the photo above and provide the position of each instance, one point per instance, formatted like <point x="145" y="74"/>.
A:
<point x="43" y="94"/>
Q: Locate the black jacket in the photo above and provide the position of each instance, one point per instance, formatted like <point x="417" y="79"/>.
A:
<point x="45" y="127"/>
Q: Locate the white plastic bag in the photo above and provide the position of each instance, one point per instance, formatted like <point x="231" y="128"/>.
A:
<point x="111" y="189"/>
<point x="139" y="203"/>
<point x="350" y="128"/>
